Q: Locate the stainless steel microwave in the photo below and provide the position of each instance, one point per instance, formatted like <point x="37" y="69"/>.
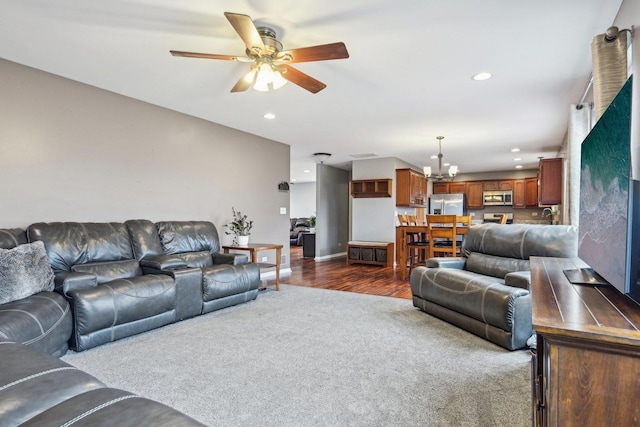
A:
<point x="497" y="198"/>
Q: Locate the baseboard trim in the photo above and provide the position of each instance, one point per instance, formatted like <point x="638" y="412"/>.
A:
<point x="328" y="257"/>
<point x="272" y="273"/>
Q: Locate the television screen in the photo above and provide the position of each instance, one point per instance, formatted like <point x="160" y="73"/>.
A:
<point x="606" y="196"/>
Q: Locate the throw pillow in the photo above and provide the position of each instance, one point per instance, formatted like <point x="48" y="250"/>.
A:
<point x="24" y="271"/>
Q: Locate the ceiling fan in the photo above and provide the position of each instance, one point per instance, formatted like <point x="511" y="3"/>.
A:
<point x="270" y="67"/>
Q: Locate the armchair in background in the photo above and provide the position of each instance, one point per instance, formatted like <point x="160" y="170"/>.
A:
<point x="297" y="228"/>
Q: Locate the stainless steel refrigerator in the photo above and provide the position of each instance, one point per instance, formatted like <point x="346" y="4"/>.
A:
<point x="446" y="204"/>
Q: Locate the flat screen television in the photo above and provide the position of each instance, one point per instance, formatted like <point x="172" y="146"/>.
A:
<point x="608" y="228"/>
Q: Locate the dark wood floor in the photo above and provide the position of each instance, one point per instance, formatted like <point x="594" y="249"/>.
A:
<point x="336" y="274"/>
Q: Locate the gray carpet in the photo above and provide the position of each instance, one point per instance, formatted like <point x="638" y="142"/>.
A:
<point x="312" y="357"/>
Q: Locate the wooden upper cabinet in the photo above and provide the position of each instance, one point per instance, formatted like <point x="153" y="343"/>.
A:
<point x="457" y="187"/>
<point x="525" y="192"/>
<point x="440" y="188"/>
<point x="473" y="191"/>
<point x="550" y="182"/>
<point x="531" y="192"/>
<point x="411" y="188"/>
<point x="497" y="185"/>
<point x="371" y="188"/>
<point x="519" y="194"/>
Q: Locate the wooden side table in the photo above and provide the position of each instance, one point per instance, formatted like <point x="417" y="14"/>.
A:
<point x="254" y="248"/>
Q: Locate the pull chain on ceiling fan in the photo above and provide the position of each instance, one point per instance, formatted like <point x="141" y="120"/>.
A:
<point x="270" y="67"/>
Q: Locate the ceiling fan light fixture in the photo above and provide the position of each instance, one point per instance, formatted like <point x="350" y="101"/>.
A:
<point x="267" y="77"/>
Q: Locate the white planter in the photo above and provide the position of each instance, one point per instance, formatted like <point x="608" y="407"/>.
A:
<point x="243" y="240"/>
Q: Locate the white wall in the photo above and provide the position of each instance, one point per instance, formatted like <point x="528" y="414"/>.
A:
<point x="72" y="152"/>
<point x="374" y="219"/>
<point x="302" y="197"/>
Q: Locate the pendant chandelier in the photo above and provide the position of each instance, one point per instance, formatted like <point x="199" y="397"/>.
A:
<point x="453" y="170"/>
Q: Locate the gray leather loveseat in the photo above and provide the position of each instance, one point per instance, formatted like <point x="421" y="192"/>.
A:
<point x="486" y="291"/>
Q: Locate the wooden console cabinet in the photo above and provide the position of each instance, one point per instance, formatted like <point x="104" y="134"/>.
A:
<point x="376" y="253"/>
<point x="586" y="368"/>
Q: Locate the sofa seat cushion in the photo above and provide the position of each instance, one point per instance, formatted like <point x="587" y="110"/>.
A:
<point x="496" y="266"/>
<point x="122" y="301"/>
<point x="481" y="297"/>
<point x="223" y="280"/>
<point x="108" y="271"/>
<point x="42" y="321"/>
<point x="24" y="271"/>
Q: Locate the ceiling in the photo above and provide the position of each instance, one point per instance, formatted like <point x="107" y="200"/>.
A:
<point x="408" y="78"/>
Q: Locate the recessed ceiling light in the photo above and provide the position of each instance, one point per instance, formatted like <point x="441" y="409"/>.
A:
<point x="516" y="159"/>
<point x="306" y="171"/>
<point x="515" y="150"/>
<point x="518" y="166"/>
<point x="269" y="116"/>
<point x="293" y="180"/>
<point x="482" y="76"/>
<point x="446" y="164"/>
<point x="434" y="156"/>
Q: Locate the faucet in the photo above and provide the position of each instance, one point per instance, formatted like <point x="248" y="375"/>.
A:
<point x="547" y="212"/>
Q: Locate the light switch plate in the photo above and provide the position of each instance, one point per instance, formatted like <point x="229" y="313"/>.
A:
<point x="283" y="211"/>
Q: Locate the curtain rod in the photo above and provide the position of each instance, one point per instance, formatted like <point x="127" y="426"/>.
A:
<point x="586" y="91"/>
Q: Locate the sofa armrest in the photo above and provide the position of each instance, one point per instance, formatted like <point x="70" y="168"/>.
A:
<point x="447" y="262"/>
<point x="163" y="262"/>
<point x="518" y="279"/>
<point x="71" y="280"/>
<point x="233" y="259"/>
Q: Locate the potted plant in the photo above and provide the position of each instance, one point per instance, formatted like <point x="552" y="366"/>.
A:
<point x="312" y="223"/>
<point x="240" y="228"/>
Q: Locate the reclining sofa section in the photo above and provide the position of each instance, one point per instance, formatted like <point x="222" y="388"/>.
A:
<point x="486" y="291"/>
<point x="122" y="279"/>
<point x="42" y="320"/>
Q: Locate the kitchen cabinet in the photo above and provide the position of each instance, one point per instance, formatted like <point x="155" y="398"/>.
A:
<point x="457" y="187"/>
<point x="531" y="192"/>
<point x="502" y="185"/>
<point x="473" y="192"/>
<point x="550" y="182"/>
<point x="519" y="196"/>
<point x="449" y="187"/>
<point x="371" y="188"/>
<point x="411" y="188"/>
<point x="525" y="193"/>
<point x="440" y="188"/>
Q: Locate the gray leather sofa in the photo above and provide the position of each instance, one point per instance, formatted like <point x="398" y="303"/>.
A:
<point x="122" y="279"/>
<point x="486" y="291"/>
<point x="39" y="390"/>
<point x="41" y="321"/>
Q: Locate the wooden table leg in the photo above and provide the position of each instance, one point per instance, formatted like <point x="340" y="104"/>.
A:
<point x="278" y="257"/>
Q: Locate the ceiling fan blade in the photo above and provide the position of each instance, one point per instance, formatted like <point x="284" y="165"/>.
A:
<point x="206" y="55"/>
<point x="317" y="53"/>
<point x="301" y="79"/>
<point x="247" y="31"/>
<point x="244" y="83"/>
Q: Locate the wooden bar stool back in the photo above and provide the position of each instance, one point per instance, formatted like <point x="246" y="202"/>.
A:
<point x="442" y="230"/>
